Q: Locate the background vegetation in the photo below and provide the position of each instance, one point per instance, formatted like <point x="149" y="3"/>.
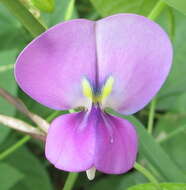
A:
<point x="163" y="152"/>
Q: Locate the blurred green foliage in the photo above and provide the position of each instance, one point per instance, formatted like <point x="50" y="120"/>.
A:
<point x="7" y="58"/>
<point x="44" y="5"/>
<point x="109" y="7"/>
<point x="180" y="5"/>
<point x="9" y="176"/>
<point x="164" y="186"/>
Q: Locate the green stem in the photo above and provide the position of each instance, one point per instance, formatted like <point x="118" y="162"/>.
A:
<point x="69" y="183"/>
<point x="69" y="10"/>
<point x="171" y="25"/>
<point x="147" y="174"/>
<point x="157" y="10"/>
<point x="13" y="148"/>
<point x="24" y="16"/>
<point x="52" y="116"/>
<point x="151" y="116"/>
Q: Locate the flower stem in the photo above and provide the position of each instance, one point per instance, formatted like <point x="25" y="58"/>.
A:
<point x="155" y="12"/>
<point x="24" y="16"/>
<point x="151" y="116"/>
<point x="69" y="183"/>
<point x="13" y="148"/>
<point x="147" y="174"/>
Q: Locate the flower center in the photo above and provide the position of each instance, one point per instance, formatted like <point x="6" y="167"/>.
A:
<point x="105" y="91"/>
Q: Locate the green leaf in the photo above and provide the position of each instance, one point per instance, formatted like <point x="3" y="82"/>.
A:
<point x="165" y="186"/>
<point x="175" y="84"/>
<point x="35" y="174"/>
<point x="109" y="7"/>
<point x="9" y="176"/>
<point x="171" y="132"/>
<point x="24" y="16"/>
<point x="180" y="5"/>
<point x="154" y="153"/>
<point x="7" y="58"/>
<point x="11" y="33"/>
<point x="44" y="5"/>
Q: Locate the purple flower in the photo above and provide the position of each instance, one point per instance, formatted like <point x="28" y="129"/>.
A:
<point x="119" y="62"/>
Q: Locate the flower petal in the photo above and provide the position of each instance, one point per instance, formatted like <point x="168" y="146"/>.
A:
<point x="70" y="142"/>
<point x="80" y="141"/>
<point x="51" y="67"/>
<point x="137" y="53"/>
<point x="116" y="145"/>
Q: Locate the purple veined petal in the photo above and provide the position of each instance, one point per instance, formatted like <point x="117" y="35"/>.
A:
<point x="79" y="141"/>
<point x="137" y="53"/>
<point x="51" y="67"/>
<point x="116" y="145"/>
<point x="70" y="142"/>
